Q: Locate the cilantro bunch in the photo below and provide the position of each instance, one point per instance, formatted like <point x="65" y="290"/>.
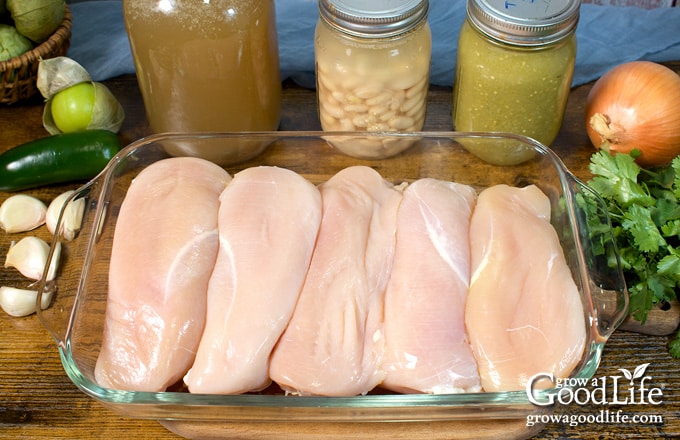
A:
<point x="644" y="209"/>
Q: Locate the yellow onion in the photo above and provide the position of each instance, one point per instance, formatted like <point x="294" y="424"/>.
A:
<point x="636" y="105"/>
<point x="60" y="73"/>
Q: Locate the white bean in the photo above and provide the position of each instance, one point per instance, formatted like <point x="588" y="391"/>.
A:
<point x="397" y="99"/>
<point x="401" y="122"/>
<point x="353" y="99"/>
<point x="409" y="104"/>
<point x="418" y="112"/>
<point x="327" y="120"/>
<point x="339" y="97"/>
<point x="379" y="126"/>
<point x="418" y="88"/>
<point x="351" y="82"/>
<point x="388" y="115"/>
<point x="361" y="121"/>
<point x="368" y="92"/>
<point x="378" y="110"/>
<point x="356" y="108"/>
<point x="346" y="125"/>
<point x="325" y="82"/>
<point x="405" y="81"/>
<point x="381" y="99"/>
<point x="335" y="111"/>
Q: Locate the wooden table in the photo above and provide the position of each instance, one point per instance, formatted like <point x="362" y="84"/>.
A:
<point x="37" y="400"/>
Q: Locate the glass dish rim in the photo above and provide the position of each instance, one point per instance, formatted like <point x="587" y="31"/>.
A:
<point x="591" y="357"/>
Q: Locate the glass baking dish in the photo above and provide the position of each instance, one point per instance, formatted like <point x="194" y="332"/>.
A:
<point x="76" y="317"/>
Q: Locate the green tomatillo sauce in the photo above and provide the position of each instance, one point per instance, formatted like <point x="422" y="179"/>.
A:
<point x="521" y="90"/>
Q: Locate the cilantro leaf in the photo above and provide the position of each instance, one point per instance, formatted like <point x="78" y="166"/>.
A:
<point x="646" y="236"/>
<point x="671" y="229"/>
<point x="674" y="346"/>
<point x="665" y="211"/>
<point x="644" y="212"/>
<point x="616" y="177"/>
<point x="675" y="166"/>
<point x="614" y="166"/>
<point x="669" y="266"/>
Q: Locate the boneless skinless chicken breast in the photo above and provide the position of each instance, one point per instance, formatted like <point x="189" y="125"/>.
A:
<point x="524" y="314"/>
<point x="334" y="343"/>
<point x="268" y="223"/>
<point x="427" y="348"/>
<point x="163" y="253"/>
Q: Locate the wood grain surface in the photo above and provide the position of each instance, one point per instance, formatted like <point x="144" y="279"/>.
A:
<point x="37" y="400"/>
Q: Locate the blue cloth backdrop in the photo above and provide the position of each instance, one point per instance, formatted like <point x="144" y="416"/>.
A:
<point x="606" y="35"/>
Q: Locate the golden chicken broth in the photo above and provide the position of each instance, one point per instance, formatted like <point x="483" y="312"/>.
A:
<point x="206" y="66"/>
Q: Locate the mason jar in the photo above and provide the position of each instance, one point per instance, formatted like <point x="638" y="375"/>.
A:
<point x="514" y="69"/>
<point x="372" y="70"/>
<point x="207" y="66"/>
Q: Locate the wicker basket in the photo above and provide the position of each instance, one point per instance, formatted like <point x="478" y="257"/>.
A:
<point x="18" y="75"/>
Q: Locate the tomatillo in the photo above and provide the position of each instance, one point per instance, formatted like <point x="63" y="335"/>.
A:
<point x="72" y="107"/>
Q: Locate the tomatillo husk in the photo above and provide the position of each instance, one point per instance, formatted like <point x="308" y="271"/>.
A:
<point x="37" y="19"/>
<point x="57" y="74"/>
<point x="12" y="43"/>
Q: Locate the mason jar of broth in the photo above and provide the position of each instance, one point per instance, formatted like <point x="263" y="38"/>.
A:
<point x="372" y="70"/>
<point x="207" y="66"/>
<point x="513" y="72"/>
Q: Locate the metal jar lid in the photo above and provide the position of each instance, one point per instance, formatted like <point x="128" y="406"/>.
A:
<point x="374" y="18"/>
<point x="524" y="22"/>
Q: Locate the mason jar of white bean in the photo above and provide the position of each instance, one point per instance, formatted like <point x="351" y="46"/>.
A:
<point x="372" y="71"/>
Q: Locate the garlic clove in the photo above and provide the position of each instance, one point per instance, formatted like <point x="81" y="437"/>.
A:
<point x="71" y="219"/>
<point x="22" y="302"/>
<point x="54" y="263"/>
<point x="29" y="256"/>
<point x="21" y="213"/>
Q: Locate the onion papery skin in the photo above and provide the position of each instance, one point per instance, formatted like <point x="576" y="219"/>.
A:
<point x="636" y="105"/>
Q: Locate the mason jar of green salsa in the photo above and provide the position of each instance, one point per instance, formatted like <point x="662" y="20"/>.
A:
<point x="513" y="72"/>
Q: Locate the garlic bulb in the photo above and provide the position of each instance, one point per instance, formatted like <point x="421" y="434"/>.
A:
<point x="29" y="257"/>
<point x="22" y="302"/>
<point x="21" y="213"/>
<point x="72" y="216"/>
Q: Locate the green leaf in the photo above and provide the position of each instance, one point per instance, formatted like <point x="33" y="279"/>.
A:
<point x="671" y="229"/>
<point x="639" y="223"/>
<point x="604" y="186"/>
<point x="641" y="300"/>
<point x="674" y="346"/>
<point x="675" y="165"/>
<point x="669" y="266"/>
<point x="665" y="211"/>
<point x="629" y="193"/>
<point x="614" y="166"/>
<point x="644" y="209"/>
<point x="616" y="177"/>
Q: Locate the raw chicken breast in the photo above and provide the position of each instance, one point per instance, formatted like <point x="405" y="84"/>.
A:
<point x="334" y="343"/>
<point x="164" y="249"/>
<point x="268" y="222"/>
<point x="524" y="313"/>
<point x="427" y="348"/>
